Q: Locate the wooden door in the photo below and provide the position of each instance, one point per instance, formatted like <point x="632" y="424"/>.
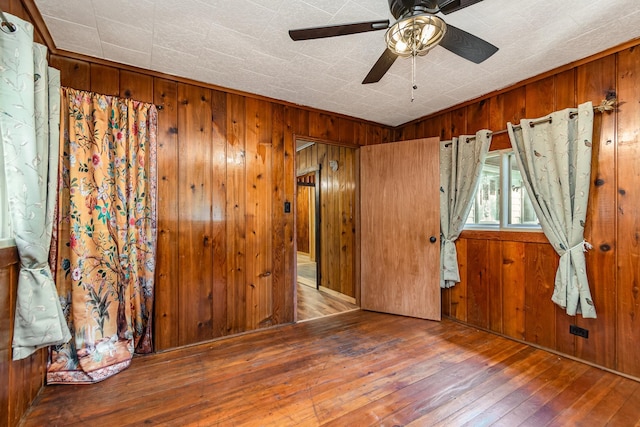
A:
<point x="400" y="228"/>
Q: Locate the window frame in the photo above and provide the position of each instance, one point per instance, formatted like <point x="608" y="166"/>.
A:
<point x="504" y="206"/>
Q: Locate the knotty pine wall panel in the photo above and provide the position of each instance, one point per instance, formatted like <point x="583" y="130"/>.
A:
<point x="195" y="226"/>
<point x="593" y="82"/>
<point x="628" y="212"/>
<point x="22" y="379"/>
<point x="226" y="167"/>
<point x="167" y="259"/>
<point x="522" y="267"/>
<point x="259" y="282"/>
<point x="302" y="220"/>
<point x="236" y="213"/>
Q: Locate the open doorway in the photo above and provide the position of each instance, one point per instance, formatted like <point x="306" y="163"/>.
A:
<point x="325" y="229"/>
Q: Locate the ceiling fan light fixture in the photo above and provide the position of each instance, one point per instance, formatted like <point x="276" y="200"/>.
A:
<point x="415" y="34"/>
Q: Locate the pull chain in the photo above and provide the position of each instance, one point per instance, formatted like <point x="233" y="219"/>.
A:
<point x="413" y="76"/>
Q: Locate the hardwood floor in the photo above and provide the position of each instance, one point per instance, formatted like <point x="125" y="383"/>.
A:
<point x="313" y="304"/>
<point x="353" y="369"/>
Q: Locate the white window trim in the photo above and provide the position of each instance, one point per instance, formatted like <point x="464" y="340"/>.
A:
<point x="504" y="201"/>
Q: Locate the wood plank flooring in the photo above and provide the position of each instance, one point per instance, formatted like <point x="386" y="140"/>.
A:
<point x="313" y="304"/>
<point x="353" y="369"/>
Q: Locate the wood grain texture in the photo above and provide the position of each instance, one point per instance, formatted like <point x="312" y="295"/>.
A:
<point x="402" y="371"/>
<point x="594" y="81"/>
<point x="105" y="79"/>
<point x="399" y="264"/>
<point x="285" y="310"/>
<point x="477" y="117"/>
<point x="167" y="253"/>
<point x="539" y="100"/>
<point x="73" y="73"/>
<point x="513" y="289"/>
<point x="541" y="263"/>
<point x="236" y="210"/>
<point x="302" y="220"/>
<point x="503" y="108"/>
<point x="628" y="212"/>
<point x="494" y="286"/>
<point x="258" y="219"/>
<point x="195" y="249"/>
<point x="477" y="260"/>
<point x="219" y="198"/>
<point x="337" y="213"/>
<point x="21" y="379"/>
<point x="313" y="303"/>
<point x="136" y="86"/>
<point x="458" y="293"/>
<point x="611" y="225"/>
<point x="281" y="288"/>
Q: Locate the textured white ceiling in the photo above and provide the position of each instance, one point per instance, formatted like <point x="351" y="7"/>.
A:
<point x="244" y="45"/>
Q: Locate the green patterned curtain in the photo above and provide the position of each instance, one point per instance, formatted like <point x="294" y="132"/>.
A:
<point x="461" y="161"/>
<point x="106" y="235"/>
<point x="29" y="119"/>
<point x="554" y="158"/>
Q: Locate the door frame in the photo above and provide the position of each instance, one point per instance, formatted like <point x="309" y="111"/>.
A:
<point x="356" y="245"/>
<point x="317" y="169"/>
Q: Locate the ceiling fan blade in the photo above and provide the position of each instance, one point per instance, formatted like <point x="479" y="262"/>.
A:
<point x="450" y="6"/>
<point x="467" y="45"/>
<point x="337" y="30"/>
<point x="381" y="66"/>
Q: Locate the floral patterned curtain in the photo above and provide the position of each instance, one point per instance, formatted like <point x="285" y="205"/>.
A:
<point x="461" y="161"/>
<point x="29" y="118"/>
<point x="554" y="158"/>
<point x="106" y="234"/>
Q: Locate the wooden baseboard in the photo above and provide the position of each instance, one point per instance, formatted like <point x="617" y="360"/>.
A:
<point x="307" y="282"/>
<point x="338" y="295"/>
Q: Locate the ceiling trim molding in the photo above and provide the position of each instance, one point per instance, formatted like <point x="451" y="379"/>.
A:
<point x="38" y="22"/>
<point x="93" y="60"/>
<point x="315" y="140"/>
<point x="611" y="51"/>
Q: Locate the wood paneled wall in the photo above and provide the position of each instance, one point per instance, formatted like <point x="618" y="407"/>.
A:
<point x="507" y="278"/>
<point x="226" y="252"/>
<point x="303" y="195"/>
<point x="20" y="381"/>
<point x="337" y="212"/>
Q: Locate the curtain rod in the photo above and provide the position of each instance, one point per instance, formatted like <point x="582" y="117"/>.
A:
<point x="606" y="105"/>
<point x="533" y="123"/>
<point x="7" y="26"/>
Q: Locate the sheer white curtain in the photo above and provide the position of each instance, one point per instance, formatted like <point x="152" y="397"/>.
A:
<point x="461" y="161"/>
<point x="29" y="133"/>
<point x="554" y="158"/>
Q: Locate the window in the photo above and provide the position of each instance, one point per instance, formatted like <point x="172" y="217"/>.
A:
<point x="501" y="199"/>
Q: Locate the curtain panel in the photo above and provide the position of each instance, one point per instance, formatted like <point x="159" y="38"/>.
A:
<point x="554" y="158"/>
<point x="29" y="121"/>
<point x="461" y="161"/>
<point x="106" y="236"/>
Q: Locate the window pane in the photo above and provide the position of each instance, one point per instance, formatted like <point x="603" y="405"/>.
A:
<point x="486" y="209"/>
<point x="520" y="208"/>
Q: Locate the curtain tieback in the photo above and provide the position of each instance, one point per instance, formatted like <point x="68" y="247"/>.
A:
<point x="584" y="245"/>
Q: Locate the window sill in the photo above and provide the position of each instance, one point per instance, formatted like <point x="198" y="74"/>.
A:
<point x="7" y="243"/>
<point x="524" y="235"/>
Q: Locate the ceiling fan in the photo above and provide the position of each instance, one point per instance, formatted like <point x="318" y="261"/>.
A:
<point x="416" y="31"/>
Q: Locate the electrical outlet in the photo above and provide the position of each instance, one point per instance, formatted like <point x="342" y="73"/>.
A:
<point x="576" y="330"/>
